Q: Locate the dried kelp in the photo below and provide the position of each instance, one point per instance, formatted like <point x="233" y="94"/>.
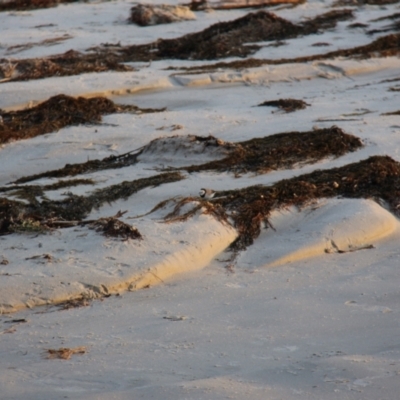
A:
<point x="56" y="113"/>
<point x="231" y="38"/>
<point x="392" y="113"/>
<point x="31" y="192"/>
<point x="75" y="303"/>
<point x="20" y="5"/>
<point x="249" y="209"/>
<point x="385" y="46"/>
<point x="197" y="5"/>
<point x="113" y="227"/>
<point x="64" y="353"/>
<point x="223" y="39"/>
<point x="46" y="42"/>
<point x="70" y="63"/>
<point x="287" y="105"/>
<point x="394" y="26"/>
<point x="283" y="150"/>
<point x="188" y="144"/>
<point x="110" y="162"/>
<point x="360" y="3"/>
<point x="17" y="216"/>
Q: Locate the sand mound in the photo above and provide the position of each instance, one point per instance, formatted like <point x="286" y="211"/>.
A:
<point x="67" y="265"/>
<point x="180" y="150"/>
<point x="332" y="226"/>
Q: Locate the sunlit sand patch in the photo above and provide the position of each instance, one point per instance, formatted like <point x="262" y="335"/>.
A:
<point x="77" y="263"/>
<point x="329" y="226"/>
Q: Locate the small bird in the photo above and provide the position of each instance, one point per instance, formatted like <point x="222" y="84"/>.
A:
<point x="207" y="193"/>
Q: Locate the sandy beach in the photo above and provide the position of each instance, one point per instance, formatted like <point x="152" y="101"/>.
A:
<point x="119" y="281"/>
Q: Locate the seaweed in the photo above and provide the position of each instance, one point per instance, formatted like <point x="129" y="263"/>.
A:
<point x="249" y="209"/>
<point x="385" y="46"/>
<point x="394" y="26"/>
<point x="113" y="227"/>
<point x="197" y="5"/>
<point x="392" y="113"/>
<point x="220" y="40"/>
<point x="120" y="161"/>
<point x="31" y="192"/>
<point x="39" y="216"/>
<point x="229" y="39"/>
<point x="21" y="5"/>
<point x="287" y="105"/>
<point x="282" y="150"/>
<point x="110" y="162"/>
<point x="360" y="3"/>
<point x="56" y="113"/>
<point x="69" y="63"/>
<point x="64" y="353"/>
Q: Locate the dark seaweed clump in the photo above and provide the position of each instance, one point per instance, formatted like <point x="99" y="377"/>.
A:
<point x="249" y="208"/>
<point x="36" y="215"/>
<point x="228" y="39"/>
<point x="70" y="63"/>
<point x="385" y="46"/>
<point x="110" y="162"/>
<point x="56" y="113"/>
<point x="221" y="40"/>
<point x="113" y="227"/>
<point x="30" y="4"/>
<point x="283" y="150"/>
<point x="360" y="3"/>
<point x="287" y="105"/>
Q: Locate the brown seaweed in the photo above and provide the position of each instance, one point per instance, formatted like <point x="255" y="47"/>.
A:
<point x="287" y="105"/>
<point x="221" y="40"/>
<point x="39" y="216"/>
<point x="249" y="209"/>
<point x="56" y="113"/>
<point x="282" y="150"/>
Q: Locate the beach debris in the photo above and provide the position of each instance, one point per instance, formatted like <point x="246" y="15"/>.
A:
<point x="19" y="5"/>
<point x="113" y="227"/>
<point x="155" y="14"/>
<point x="40" y="216"/>
<point x="198" y="5"/>
<point x="360" y="3"/>
<point x="174" y="127"/>
<point x="58" y="112"/>
<point x="334" y="248"/>
<point x="287" y="105"/>
<point x="248" y="209"/>
<point x="64" y="353"/>
<point x="13" y="328"/>
<point x="231" y="38"/>
<point x="16" y="321"/>
<point x="394" y="26"/>
<point x="282" y="150"/>
<point x="162" y="150"/>
<point x="46" y="42"/>
<point x="70" y="63"/>
<point x="220" y="40"/>
<point x="73" y="303"/>
<point x="385" y="46"/>
<point x="392" y="113"/>
<point x="43" y="258"/>
<point x="176" y="318"/>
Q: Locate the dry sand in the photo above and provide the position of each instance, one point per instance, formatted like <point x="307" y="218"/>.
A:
<point x="309" y="311"/>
